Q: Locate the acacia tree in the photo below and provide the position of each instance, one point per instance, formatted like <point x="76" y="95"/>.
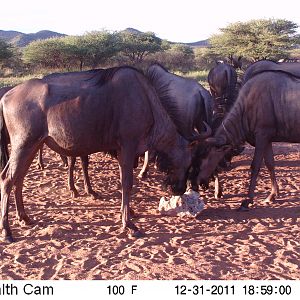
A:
<point x="180" y="57"/>
<point x="49" y="53"/>
<point x="136" y="46"/>
<point x="256" y="39"/>
<point x="72" y="52"/>
<point x="100" y="46"/>
<point x="5" y="51"/>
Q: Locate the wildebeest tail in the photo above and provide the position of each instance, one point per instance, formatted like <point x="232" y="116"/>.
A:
<point x="4" y="156"/>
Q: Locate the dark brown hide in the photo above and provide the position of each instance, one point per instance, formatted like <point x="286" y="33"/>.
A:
<point x="292" y="68"/>
<point x="117" y="111"/>
<point x="267" y="110"/>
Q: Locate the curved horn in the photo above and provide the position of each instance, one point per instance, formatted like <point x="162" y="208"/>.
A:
<point x="211" y="141"/>
<point x="215" y="141"/>
<point x="206" y="134"/>
<point x="201" y="136"/>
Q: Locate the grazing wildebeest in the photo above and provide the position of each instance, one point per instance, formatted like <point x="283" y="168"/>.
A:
<point x="118" y="110"/>
<point x="269" y="65"/>
<point x="267" y="110"/>
<point x="186" y="96"/>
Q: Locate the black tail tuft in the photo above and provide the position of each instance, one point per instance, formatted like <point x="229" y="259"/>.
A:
<point x="4" y="156"/>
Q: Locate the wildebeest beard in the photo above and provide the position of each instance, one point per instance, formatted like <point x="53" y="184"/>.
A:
<point x="163" y="164"/>
<point x="201" y="153"/>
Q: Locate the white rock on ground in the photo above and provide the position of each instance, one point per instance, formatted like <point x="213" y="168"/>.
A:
<point x="188" y="204"/>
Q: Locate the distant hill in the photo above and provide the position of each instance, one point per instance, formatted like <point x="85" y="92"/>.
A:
<point x="20" y="39"/>
<point x="132" y="30"/>
<point x="203" y="43"/>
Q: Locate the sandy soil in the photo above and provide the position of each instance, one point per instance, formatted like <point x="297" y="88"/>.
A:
<point x="81" y="238"/>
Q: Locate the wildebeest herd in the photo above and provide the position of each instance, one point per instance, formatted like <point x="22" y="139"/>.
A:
<point x="125" y="112"/>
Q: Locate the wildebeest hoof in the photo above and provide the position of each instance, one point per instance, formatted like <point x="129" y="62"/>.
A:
<point x="142" y="176"/>
<point x="136" y="234"/>
<point x="26" y="221"/>
<point x="132" y="213"/>
<point x="6" y="236"/>
<point x="40" y="167"/>
<point x="74" y="194"/>
<point x="270" y="198"/>
<point x="243" y="208"/>
<point x="7" y="239"/>
<point x="94" y="195"/>
<point x="218" y="196"/>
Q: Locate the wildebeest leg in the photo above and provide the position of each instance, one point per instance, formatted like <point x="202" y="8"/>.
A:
<point x="64" y="160"/>
<point x="13" y="174"/>
<point x="255" y="167"/>
<point x="86" y="179"/>
<point x="21" y="214"/>
<point x="71" y="185"/>
<point x="144" y="170"/>
<point x="40" y="162"/>
<point x="126" y="162"/>
<point x="269" y="161"/>
<point x="218" y="187"/>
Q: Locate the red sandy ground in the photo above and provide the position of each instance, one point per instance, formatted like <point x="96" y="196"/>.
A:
<point x="81" y="239"/>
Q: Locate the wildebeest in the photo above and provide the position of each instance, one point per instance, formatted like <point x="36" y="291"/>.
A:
<point x="267" y="110"/>
<point x="70" y="79"/>
<point x="118" y="110"/>
<point x="269" y="65"/>
<point x="68" y="161"/>
<point x="222" y="80"/>
<point x="66" y="78"/>
<point x="4" y="149"/>
<point x="186" y="96"/>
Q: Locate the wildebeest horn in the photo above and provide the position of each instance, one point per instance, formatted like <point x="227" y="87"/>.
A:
<point x="211" y="141"/>
<point x="215" y="141"/>
<point x="203" y="135"/>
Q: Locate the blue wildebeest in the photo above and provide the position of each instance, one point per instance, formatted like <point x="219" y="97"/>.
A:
<point x="189" y="99"/>
<point x="118" y="110"/>
<point x="69" y="79"/>
<point x="222" y="80"/>
<point x="269" y="65"/>
<point x="267" y="110"/>
<point x="4" y="150"/>
<point x="70" y="161"/>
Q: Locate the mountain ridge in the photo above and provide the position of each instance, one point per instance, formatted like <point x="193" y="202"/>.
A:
<point x="21" y="39"/>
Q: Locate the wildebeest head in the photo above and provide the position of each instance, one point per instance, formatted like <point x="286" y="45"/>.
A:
<point x="177" y="173"/>
<point x="177" y="163"/>
<point x="208" y="165"/>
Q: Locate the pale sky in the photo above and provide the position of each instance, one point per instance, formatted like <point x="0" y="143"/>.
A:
<point x="177" y="21"/>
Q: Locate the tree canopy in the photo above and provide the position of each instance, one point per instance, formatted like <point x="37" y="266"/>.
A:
<point x="256" y="39"/>
<point x="5" y="50"/>
<point x="88" y="50"/>
<point x="136" y="46"/>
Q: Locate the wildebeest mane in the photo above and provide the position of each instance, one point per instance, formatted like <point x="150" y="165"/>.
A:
<point x="166" y="99"/>
<point x="289" y="74"/>
<point x="264" y="65"/>
<point x="105" y="75"/>
<point x="90" y="78"/>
